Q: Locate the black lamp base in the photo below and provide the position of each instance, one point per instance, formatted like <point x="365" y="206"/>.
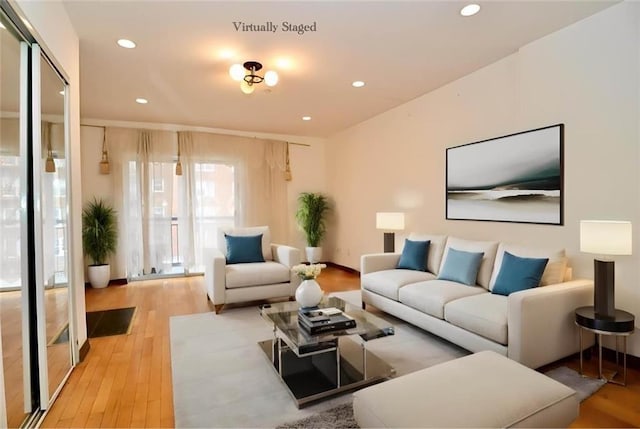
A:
<point x="389" y="242"/>
<point x="603" y="292"/>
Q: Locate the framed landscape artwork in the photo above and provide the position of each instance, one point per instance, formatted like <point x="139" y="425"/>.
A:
<point x="514" y="178"/>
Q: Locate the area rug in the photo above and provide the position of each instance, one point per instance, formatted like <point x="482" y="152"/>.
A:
<point x="105" y="323"/>
<point x="341" y="417"/>
<point x="221" y="378"/>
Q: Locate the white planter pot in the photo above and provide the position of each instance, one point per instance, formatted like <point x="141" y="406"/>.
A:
<point x="308" y="293"/>
<point x="314" y="254"/>
<point x="99" y="275"/>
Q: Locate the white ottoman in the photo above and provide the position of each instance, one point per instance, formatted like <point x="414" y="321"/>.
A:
<point x="484" y="389"/>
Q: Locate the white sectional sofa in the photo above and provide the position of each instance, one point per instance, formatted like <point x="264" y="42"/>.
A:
<point x="534" y="326"/>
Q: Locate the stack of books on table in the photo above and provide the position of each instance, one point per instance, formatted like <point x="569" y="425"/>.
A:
<point x="318" y="321"/>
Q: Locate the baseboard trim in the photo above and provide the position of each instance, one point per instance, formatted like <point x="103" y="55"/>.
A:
<point x="84" y="349"/>
<point x="112" y="282"/>
<point x="610" y="356"/>
<point x="342" y="267"/>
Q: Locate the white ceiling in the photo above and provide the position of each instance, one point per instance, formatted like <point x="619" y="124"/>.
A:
<point x="400" y="49"/>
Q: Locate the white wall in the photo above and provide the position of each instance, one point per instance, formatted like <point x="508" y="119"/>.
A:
<point x="57" y="36"/>
<point x="307" y="165"/>
<point x="585" y="76"/>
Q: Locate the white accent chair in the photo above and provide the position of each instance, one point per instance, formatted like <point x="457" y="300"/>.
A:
<point x="234" y="283"/>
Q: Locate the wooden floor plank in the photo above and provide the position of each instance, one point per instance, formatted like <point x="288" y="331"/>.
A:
<point x="126" y="381"/>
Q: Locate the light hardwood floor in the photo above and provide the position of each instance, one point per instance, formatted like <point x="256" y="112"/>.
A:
<point x="125" y="381"/>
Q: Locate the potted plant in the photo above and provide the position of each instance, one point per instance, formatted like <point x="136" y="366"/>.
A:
<point x="311" y="216"/>
<point x="99" y="239"/>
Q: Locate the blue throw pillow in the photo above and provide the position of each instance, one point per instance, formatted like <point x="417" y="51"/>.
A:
<point x="518" y="273"/>
<point x="461" y="266"/>
<point x="414" y="255"/>
<point x="244" y="249"/>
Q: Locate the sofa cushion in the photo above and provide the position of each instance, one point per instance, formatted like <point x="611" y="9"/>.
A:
<point x="252" y="230"/>
<point x="554" y="272"/>
<point x="431" y="296"/>
<point x="461" y="266"/>
<point x="436" y="247"/>
<point x="487" y="247"/>
<point x="256" y="274"/>
<point x="518" y="273"/>
<point x="414" y="255"/>
<point x="485" y="315"/>
<point x="387" y="282"/>
<point x="244" y="249"/>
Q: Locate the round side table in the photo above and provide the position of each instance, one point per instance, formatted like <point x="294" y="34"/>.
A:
<point x="622" y="324"/>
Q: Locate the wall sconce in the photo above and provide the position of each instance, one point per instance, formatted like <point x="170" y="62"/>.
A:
<point x="104" y="162"/>
<point x="393" y="222"/>
<point x="287" y="165"/>
<point x="605" y="238"/>
<point x="179" y="163"/>
<point x="49" y="165"/>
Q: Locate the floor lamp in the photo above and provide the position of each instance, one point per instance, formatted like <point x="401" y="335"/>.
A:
<point x="605" y="237"/>
<point x="390" y="222"/>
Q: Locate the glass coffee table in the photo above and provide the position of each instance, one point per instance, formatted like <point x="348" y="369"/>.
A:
<point x="313" y="367"/>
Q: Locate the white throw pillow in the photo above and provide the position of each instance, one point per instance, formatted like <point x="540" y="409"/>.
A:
<point x="243" y="232"/>
<point x="554" y="272"/>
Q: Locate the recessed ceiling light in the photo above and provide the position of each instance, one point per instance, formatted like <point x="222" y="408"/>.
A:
<point x="306" y="118"/>
<point x="358" y="84"/>
<point x="61" y="92"/>
<point x="470" y="9"/>
<point x="126" y="43"/>
<point x="142" y="100"/>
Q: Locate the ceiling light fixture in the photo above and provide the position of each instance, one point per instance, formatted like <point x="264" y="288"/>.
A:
<point x="306" y="118"/>
<point x="126" y="43"/>
<point x="247" y="75"/>
<point x="142" y="100"/>
<point x="358" y="84"/>
<point x="470" y="9"/>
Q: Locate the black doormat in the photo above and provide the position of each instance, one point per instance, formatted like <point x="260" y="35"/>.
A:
<point x="109" y="322"/>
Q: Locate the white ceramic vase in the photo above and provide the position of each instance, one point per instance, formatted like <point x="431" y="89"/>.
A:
<point x="314" y="254"/>
<point x="308" y="293"/>
<point x="99" y="275"/>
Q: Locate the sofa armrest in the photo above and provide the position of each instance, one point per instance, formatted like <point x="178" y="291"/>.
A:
<point x="378" y="262"/>
<point x="286" y="255"/>
<point x="215" y="275"/>
<point x="541" y="322"/>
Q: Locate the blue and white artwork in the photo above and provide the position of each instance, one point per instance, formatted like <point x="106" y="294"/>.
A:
<point x="515" y="178"/>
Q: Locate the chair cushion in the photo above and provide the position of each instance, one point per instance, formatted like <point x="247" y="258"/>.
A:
<point x="487" y="247"/>
<point x="414" y="255"/>
<point x="461" y="266"/>
<point x="244" y="249"/>
<point x="387" y="282"/>
<point x="256" y="274"/>
<point x="518" y="273"/>
<point x="252" y="230"/>
<point x="554" y="272"/>
<point x="485" y="315"/>
<point x="436" y="247"/>
<point x="431" y="296"/>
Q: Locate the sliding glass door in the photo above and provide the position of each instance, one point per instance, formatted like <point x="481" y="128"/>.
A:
<point x="34" y="253"/>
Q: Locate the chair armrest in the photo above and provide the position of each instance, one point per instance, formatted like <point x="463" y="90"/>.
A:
<point x="541" y="322"/>
<point x="286" y="255"/>
<point x="378" y="262"/>
<point x="215" y="275"/>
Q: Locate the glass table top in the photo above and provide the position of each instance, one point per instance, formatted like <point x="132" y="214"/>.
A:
<point x="284" y="316"/>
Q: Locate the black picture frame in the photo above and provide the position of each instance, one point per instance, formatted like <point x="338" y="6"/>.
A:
<point x="517" y="178"/>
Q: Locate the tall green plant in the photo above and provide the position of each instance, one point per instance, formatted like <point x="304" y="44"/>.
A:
<point x="99" y="231"/>
<point x="311" y="215"/>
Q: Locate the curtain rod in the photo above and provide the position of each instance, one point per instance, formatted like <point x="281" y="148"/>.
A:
<point x="104" y="128"/>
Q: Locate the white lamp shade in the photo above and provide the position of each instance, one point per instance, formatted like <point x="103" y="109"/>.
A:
<point x="605" y="237"/>
<point x="236" y="72"/>
<point x="390" y="221"/>
<point x="246" y="88"/>
<point x="271" y="78"/>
